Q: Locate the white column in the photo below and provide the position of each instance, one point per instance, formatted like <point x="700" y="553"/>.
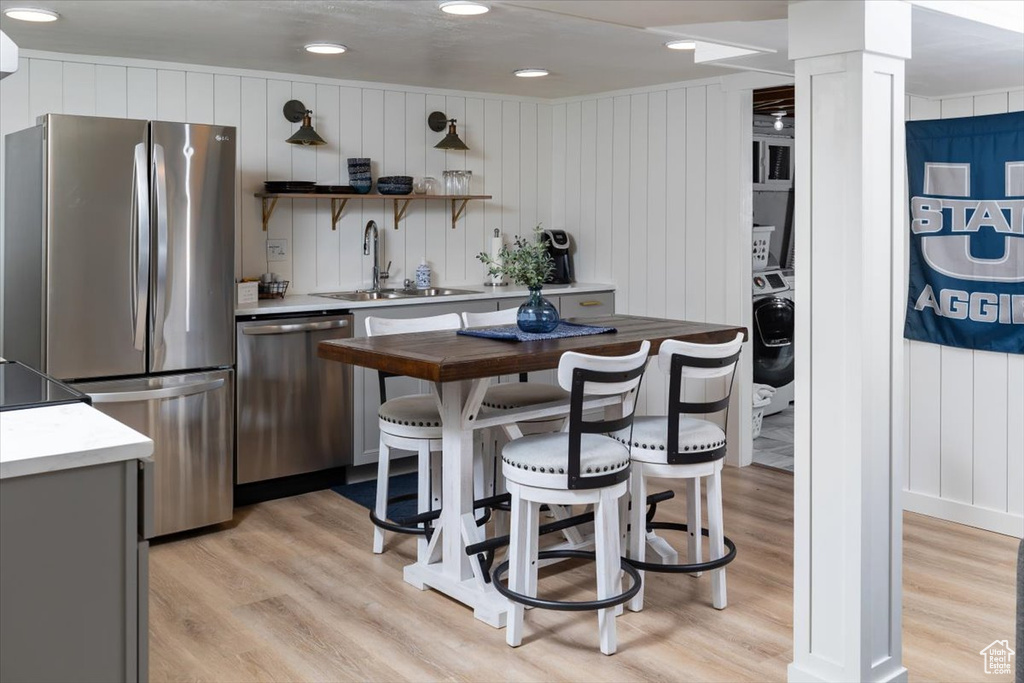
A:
<point x="849" y="368"/>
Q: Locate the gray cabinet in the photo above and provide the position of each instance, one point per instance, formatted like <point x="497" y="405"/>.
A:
<point x="586" y="305"/>
<point x="74" y="585"/>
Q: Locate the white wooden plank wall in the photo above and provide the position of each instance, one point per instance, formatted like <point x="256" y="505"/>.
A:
<point x="509" y="139"/>
<point x="965" y="409"/>
<point x="639" y="182"/>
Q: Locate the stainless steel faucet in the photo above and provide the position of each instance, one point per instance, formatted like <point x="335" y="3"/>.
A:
<point x="371" y="233"/>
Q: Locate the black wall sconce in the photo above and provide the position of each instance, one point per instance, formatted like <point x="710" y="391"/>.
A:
<point x="437" y="121"/>
<point x="296" y="111"/>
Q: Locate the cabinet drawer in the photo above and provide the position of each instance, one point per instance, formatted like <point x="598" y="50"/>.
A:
<point x="586" y="305"/>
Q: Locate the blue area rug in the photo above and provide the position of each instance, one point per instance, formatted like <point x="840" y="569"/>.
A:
<point x="365" y="493"/>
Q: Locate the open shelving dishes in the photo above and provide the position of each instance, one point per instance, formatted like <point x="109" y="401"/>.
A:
<point x="400" y="203"/>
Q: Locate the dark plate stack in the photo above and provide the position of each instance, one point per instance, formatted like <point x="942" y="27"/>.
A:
<point x="286" y="186"/>
<point x="335" y="189"/>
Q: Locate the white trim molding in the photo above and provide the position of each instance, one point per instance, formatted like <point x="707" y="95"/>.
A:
<point x="998" y="521"/>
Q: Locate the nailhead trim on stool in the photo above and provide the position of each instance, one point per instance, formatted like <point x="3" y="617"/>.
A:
<point x="411" y="411"/>
<point x="518" y="395"/>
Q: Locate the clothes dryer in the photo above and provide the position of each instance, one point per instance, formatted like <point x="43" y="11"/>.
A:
<point x="773" y="331"/>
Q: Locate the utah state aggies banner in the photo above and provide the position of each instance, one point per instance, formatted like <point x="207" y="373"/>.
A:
<point x="967" y="232"/>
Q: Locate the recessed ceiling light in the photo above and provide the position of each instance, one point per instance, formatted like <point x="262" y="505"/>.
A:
<point x="31" y="14"/>
<point x="530" y="73"/>
<point x="326" y="48"/>
<point x="464" y="7"/>
<point x="681" y="45"/>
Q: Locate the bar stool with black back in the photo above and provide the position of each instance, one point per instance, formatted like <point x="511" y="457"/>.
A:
<point x="408" y="423"/>
<point x="683" y="447"/>
<point x="580" y="466"/>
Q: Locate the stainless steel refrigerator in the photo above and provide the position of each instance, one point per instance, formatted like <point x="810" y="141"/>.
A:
<point x="118" y="279"/>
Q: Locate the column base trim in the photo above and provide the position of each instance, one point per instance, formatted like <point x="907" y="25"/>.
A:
<point x="802" y="673"/>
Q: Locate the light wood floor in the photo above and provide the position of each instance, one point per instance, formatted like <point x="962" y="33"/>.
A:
<point x="291" y="592"/>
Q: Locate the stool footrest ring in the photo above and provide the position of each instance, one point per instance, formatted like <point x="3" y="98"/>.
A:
<point x="565" y="605"/>
<point x="411" y="525"/>
<point x="397" y="527"/>
<point x="690" y="568"/>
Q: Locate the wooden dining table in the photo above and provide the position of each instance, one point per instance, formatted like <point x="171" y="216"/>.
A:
<point x="460" y="368"/>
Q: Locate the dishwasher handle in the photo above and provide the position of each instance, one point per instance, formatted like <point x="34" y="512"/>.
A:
<point x="296" y="327"/>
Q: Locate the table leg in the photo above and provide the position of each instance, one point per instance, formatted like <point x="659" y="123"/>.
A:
<point x="453" y="575"/>
<point x="457" y="479"/>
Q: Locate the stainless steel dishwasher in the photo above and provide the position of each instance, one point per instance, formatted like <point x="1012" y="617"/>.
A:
<point x="294" y="410"/>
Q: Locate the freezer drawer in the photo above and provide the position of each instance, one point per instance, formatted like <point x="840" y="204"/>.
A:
<point x="294" y="409"/>
<point x="188" y="417"/>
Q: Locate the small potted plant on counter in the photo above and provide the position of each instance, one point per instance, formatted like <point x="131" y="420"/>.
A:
<point x="528" y="264"/>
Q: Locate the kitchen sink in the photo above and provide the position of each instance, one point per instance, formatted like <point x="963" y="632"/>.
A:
<point x="362" y="296"/>
<point x="386" y="294"/>
<point x="434" y="291"/>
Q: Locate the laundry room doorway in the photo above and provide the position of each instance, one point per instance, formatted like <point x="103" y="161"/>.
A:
<point x="773" y="277"/>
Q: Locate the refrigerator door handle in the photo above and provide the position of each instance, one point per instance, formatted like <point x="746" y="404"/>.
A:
<point x="141" y="237"/>
<point x="156" y="394"/>
<point x="297" y="327"/>
<point x="160" y="197"/>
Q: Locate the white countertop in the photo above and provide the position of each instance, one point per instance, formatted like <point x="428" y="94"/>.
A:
<point x="306" y="303"/>
<point x="63" y="437"/>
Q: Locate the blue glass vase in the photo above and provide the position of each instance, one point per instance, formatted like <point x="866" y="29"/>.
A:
<point x="537" y="315"/>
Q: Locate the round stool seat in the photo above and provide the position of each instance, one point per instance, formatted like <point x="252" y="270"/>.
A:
<point x="650" y="439"/>
<point x="523" y="394"/>
<point x="543" y="459"/>
<point x="414" y="417"/>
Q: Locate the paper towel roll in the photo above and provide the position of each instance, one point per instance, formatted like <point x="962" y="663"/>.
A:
<point x="496" y="244"/>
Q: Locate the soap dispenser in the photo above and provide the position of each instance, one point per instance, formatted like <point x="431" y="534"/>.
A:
<point x="423" y="274"/>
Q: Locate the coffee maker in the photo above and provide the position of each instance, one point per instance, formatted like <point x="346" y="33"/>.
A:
<point x="559" y="248"/>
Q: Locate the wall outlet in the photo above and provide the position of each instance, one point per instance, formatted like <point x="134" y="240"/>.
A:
<point x="277" y="250"/>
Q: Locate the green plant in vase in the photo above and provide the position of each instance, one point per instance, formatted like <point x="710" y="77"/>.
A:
<point x="528" y="264"/>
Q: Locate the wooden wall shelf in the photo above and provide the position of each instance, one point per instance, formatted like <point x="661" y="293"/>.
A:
<point x="399" y="202"/>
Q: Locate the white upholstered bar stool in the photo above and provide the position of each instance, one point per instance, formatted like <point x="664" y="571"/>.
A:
<point x="513" y="395"/>
<point x="686" y="444"/>
<point x="508" y="396"/>
<point x="407" y="423"/>
<point x="580" y="466"/>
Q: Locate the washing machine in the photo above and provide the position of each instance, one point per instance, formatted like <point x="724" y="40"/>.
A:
<point x="773" y="323"/>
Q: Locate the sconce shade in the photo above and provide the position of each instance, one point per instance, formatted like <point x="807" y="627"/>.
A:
<point x="305" y="135"/>
<point x="436" y="123"/>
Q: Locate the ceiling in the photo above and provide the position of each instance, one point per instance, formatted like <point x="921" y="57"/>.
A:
<point x="406" y="42"/>
<point x="770" y="100"/>
<point x="950" y="55"/>
<point x="589" y="46"/>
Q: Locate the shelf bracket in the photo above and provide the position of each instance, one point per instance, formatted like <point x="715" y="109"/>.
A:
<point x="268" y="210"/>
<point x="457" y="213"/>
<point x="399" y="212"/>
<point x="337" y="207"/>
